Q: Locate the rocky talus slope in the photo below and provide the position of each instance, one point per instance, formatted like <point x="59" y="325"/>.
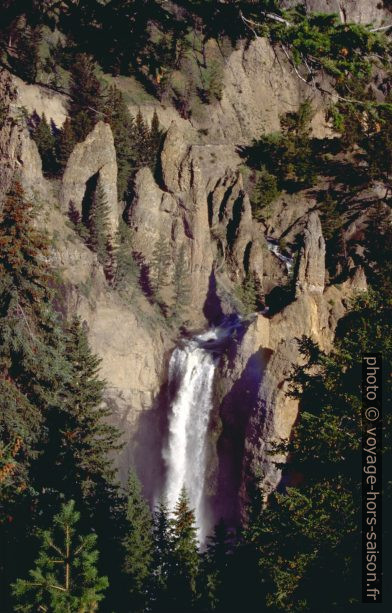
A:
<point x="197" y="204"/>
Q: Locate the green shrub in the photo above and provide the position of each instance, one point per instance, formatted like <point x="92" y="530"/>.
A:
<point x="288" y="154"/>
<point x="264" y="193"/>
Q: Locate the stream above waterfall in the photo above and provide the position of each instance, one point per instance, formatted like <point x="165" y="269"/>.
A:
<point x="273" y="246"/>
<point x="191" y="376"/>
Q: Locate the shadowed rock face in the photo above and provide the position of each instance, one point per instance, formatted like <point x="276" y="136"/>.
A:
<point x="96" y="155"/>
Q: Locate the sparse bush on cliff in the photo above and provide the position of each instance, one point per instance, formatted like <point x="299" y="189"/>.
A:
<point x="263" y="194"/>
<point x="287" y="155"/>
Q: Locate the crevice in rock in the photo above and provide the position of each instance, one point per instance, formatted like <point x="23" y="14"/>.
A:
<point x="247" y="256"/>
<point x="233" y="225"/>
<point x="210" y="205"/>
<point x="88" y="198"/>
<point x="222" y="208"/>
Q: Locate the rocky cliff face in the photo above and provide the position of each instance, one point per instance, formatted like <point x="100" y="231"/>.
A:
<point x="253" y="386"/>
<point x="369" y="11"/>
<point x="92" y="163"/>
<point x="205" y="215"/>
<point x="196" y="203"/>
<point x="18" y="153"/>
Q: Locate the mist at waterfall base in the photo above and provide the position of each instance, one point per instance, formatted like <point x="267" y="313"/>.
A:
<point x="191" y="378"/>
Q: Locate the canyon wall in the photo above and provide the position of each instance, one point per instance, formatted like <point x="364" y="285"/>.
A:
<point x="198" y="205"/>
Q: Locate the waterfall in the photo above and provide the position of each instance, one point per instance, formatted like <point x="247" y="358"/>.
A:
<point x="191" y="375"/>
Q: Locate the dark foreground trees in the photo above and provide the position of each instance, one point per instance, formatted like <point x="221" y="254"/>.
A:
<point x="65" y="576"/>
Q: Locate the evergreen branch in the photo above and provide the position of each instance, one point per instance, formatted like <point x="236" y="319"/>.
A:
<point x="382" y="28"/>
<point x="79" y="549"/>
<point x="293" y="65"/>
<point x="18" y="305"/>
<point x="50" y="542"/>
<point x="43" y="584"/>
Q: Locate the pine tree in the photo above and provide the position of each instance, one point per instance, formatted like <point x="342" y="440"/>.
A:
<point x="264" y="193"/>
<point x="27" y="42"/>
<point x="181" y="285"/>
<point x="138" y="547"/>
<point x="297" y="160"/>
<point x="331" y="219"/>
<point x="76" y="220"/>
<point x="159" y="274"/>
<point x="109" y="264"/>
<point x="98" y="224"/>
<point x="184" y="569"/>
<point x="142" y="137"/>
<point x="65" y="577"/>
<point x="86" y="96"/>
<point x="30" y="335"/>
<point x="46" y="143"/>
<point x="33" y="370"/>
<point x="155" y="138"/>
<point x="65" y="144"/>
<point x="162" y="557"/>
<point x="20" y="427"/>
<point x="250" y="293"/>
<point x="215" y="569"/>
<point x="325" y="453"/>
<point x="123" y="128"/>
<point x="76" y="460"/>
<point x="127" y="272"/>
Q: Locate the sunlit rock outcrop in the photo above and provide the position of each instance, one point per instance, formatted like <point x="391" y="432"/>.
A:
<point x="93" y="159"/>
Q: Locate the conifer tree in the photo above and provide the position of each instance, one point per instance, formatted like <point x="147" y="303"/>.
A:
<point x="86" y="96"/>
<point x="159" y="274"/>
<point x="28" y="41"/>
<point x="65" y="144"/>
<point x="331" y="219"/>
<point x="250" y="293"/>
<point x="138" y="547"/>
<point x="76" y="220"/>
<point x="264" y="193"/>
<point x="46" y="143"/>
<point x="214" y="568"/>
<point x="181" y="284"/>
<point x="76" y="459"/>
<point x="184" y="569"/>
<point x="125" y="266"/>
<point x="109" y="264"/>
<point x="123" y="128"/>
<point x="33" y="369"/>
<point x="155" y="138"/>
<point x="65" y="577"/>
<point x="325" y="452"/>
<point x="142" y="136"/>
<point x="98" y="223"/>
<point x="30" y="336"/>
<point x="162" y="557"/>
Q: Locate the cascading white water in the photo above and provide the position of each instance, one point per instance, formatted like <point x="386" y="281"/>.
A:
<point x="273" y="246"/>
<point x="191" y="374"/>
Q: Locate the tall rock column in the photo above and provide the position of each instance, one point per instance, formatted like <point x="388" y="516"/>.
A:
<point x="311" y="266"/>
<point x="94" y="157"/>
